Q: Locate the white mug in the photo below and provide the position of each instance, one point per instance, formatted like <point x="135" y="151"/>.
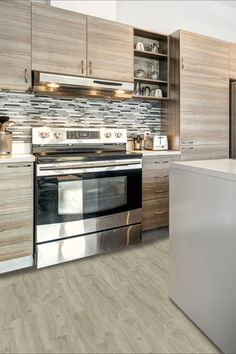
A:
<point x="139" y="46"/>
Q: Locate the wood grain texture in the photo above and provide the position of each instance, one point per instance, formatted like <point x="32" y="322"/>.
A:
<point x="16" y="210"/>
<point x="201" y="107"/>
<point x="232" y="60"/>
<point x="204" y="152"/>
<point x="15" y="44"/>
<point x="114" y="303"/>
<point x="110" y="50"/>
<point x="155" y="191"/>
<point x="58" y="40"/>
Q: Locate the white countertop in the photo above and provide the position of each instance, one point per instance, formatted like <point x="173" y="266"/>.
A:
<point x="225" y="168"/>
<point x="12" y="158"/>
<point x="157" y="153"/>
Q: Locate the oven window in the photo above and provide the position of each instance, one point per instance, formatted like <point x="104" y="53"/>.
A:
<point x="91" y="195"/>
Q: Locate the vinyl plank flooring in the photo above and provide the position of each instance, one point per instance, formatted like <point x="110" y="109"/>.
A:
<point x="114" y="303"/>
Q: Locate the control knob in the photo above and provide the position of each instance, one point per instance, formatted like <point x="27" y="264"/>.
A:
<point x="118" y="135"/>
<point x="107" y="135"/>
<point x="44" y="134"/>
<point x="57" y="135"/>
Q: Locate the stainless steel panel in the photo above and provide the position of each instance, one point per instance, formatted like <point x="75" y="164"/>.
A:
<point x="65" y="169"/>
<point x="73" y="228"/>
<point x="83" y="246"/>
<point x="81" y="86"/>
<point x="17" y="263"/>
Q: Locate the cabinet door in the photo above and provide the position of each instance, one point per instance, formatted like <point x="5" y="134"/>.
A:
<point x="204" y="90"/>
<point x="58" y="40"/>
<point x="15" y="44"/>
<point x="232" y="61"/>
<point x="204" y="152"/>
<point x="16" y="210"/>
<point x="110" y="50"/>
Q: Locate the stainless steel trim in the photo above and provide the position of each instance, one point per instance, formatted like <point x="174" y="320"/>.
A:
<point x="161" y="212"/>
<point x="54" y="170"/>
<point x="17" y="263"/>
<point x="26" y="75"/>
<point x="163" y="176"/>
<point x="45" y="78"/>
<point x="51" y="232"/>
<point x="88" y="245"/>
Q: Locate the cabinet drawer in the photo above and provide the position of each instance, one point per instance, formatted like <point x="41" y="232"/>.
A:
<point x="157" y="163"/>
<point x="155" y="186"/>
<point x="155" y="213"/>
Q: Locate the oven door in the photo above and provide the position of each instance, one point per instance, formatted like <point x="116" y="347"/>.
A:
<point x="75" y="201"/>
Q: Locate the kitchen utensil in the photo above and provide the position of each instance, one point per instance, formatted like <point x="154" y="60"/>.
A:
<point x="138" y="142"/>
<point x="139" y="73"/>
<point x="156" y="142"/>
<point x="139" y="46"/>
<point x="147" y="91"/>
<point x="155" y="47"/>
<point x="5" y="143"/>
<point x="154" y="75"/>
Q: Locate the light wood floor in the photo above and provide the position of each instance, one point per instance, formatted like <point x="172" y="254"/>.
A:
<point x="115" y="303"/>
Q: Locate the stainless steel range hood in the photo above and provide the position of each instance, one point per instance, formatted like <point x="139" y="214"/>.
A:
<point x="65" y="85"/>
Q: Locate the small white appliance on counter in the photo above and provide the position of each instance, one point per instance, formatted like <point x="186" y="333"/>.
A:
<point x="155" y="142"/>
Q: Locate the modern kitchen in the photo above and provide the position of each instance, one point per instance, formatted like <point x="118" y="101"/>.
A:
<point x="117" y="171"/>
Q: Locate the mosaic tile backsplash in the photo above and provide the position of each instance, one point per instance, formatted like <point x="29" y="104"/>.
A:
<point x="29" y="110"/>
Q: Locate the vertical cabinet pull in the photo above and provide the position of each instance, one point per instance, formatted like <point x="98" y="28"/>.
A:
<point x="26" y="76"/>
<point x="182" y="63"/>
<point x="82" y="66"/>
<point x="90" y="68"/>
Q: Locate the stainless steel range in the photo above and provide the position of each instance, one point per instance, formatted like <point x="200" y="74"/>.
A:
<point x="88" y="193"/>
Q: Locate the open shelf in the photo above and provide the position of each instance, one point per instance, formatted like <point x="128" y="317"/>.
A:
<point x="150" y="97"/>
<point x="150" y="81"/>
<point x="150" y="55"/>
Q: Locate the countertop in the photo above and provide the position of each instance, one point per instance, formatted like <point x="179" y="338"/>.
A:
<point x="157" y="153"/>
<point x="13" y="158"/>
<point x="224" y="168"/>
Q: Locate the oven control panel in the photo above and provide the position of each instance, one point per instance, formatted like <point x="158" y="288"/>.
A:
<point x="54" y="136"/>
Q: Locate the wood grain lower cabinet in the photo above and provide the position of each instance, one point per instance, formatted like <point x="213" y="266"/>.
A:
<point x="155" y="191"/>
<point x="15" y="45"/>
<point x="16" y="211"/>
<point x="58" y="40"/>
<point x="204" y="152"/>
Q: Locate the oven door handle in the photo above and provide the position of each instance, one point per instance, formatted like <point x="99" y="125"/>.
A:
<point x="76" y="170"/>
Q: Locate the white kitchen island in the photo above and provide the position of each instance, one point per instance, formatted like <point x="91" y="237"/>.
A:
<point x="203" y="246"/>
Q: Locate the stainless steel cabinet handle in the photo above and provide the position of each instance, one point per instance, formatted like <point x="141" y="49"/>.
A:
<point x="187" y="142"/>
<point x="161" y="191"/>
<point x="164" y="176"/>
<point x="90" y="68"/>
<point x="161" y="212"/>
<point x="82" y="66"/>
<point x="182" y="63"/>
<point x="160" y="162"/>
<point x="17" y="166"/>
<point x="26" y="76"/>
<point x="187" y="148"/>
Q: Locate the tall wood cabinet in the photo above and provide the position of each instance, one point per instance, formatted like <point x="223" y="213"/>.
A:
<point x="199" y="92"/>
<point x="15" y="44"/>
<point x="58" y="40"/>
<point x="232" y="61"/>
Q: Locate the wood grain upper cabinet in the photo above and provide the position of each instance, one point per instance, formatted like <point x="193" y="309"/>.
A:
<point x="232" y="60"/>
<point x="110" y="50"/>
<point x="15" y="44"/>
<point x="58" y="40"/>
<point x="200" y="79"/>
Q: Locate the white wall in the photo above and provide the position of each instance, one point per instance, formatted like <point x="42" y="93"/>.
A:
<point x="104" y="9"/>
<point x="211" y="18"/>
